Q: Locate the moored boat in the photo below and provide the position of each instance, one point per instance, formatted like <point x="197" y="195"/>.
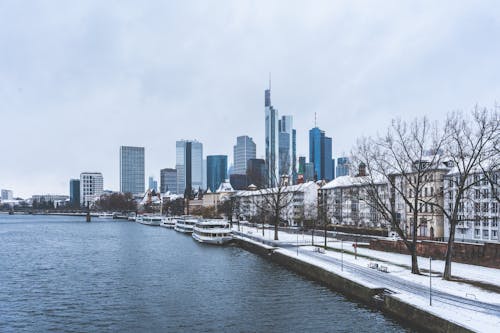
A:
<point x="106" y="215"/>
<point x="168" y="222"/>
<point x="153" y="220"/>
<point x="185" y="224"/>
<point x="212" y="232"/>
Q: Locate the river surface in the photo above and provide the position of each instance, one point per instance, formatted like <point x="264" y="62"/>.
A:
<point x="63" y="274"/>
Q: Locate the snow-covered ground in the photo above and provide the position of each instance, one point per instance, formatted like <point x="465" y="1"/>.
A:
<point x="417" y="289"/>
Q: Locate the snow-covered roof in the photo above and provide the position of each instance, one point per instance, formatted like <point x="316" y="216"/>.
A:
<point x="225" y="187"/>
<point x="347" y="181"/>
<point x="292" y="188"/>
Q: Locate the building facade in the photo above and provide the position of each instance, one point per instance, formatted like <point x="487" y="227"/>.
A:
<point x="271" y="140"/>
<point x="7" y="195"/>
<point x="479" y="210"/>
<point x="189" y="166"/>
<point x="168" y="180"/>
<point x="91" y="187"/>
<point x="320" y="154"/>
<point x="302" y="201"/>
<point x="216" y="171"/>
<point x="74" y="192"/>
<point x="244" y="150"/>
<point x="132" y="176"/>
<point x="342" y="167"/>
<point x="345" y="202"/>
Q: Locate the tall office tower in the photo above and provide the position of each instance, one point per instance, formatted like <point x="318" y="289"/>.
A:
<point x="152" y="184"/>
<point x="244" y="150"/>
<point x="168" y="180"/>
<point x="320" y="154"/>
<point x="272" y="140"/>
<point x="294" y="156"/>
<point x="216" y="171"/>
<point x="189" y="165"/>
<point x="256" y="172"/>
<point x="342" y="167"/>
<point x="91" y="187"/>
<point x="287" y="145"/>
<point x="309" y="172"/>
<point x="74" y="192"/>
<point x="132" y="177"/>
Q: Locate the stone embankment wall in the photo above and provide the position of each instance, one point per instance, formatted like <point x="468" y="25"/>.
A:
<point x="378" y="298"/>
<point x="487" y="254"/>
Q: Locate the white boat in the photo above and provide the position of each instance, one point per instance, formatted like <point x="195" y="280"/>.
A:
<point x="168" y="222"/>
<point x="185" y="224"/>
<point x="154" y="220"/>
<point x="212" y="232"/>
<point x="106" y="215"/>
<point x="131" y="217"/>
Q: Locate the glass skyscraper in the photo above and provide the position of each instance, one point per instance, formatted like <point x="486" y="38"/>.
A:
<point x="189" y="165"/>
<point x="132" y="176"/>
<point x="244" y="150"/>
<point x="216" y="171"/>
<point x="342" y="167"/>
<point x="272" y="139"/>
<point x="320" y="154"/>
<point x="168" y="180"/>
<point x="74" y="192"/>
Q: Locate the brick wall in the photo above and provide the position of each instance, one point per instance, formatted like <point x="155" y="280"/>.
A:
<point x="475" y="254"/>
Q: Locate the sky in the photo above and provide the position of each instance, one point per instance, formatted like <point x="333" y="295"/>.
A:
<point x="78" y="79"/>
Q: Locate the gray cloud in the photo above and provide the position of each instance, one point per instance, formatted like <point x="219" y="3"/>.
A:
<point x="77" y="80"/>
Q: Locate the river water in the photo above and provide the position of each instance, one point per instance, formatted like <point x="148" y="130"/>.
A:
<point x="63" y="274"/>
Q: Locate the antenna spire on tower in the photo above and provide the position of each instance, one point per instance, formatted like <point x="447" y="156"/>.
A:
<point x="269" y="80"/>
<point x="315" y="124"/>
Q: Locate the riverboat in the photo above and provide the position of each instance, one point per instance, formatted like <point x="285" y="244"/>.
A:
<point x="212" y="232"/>
<point x="185" y="224"/>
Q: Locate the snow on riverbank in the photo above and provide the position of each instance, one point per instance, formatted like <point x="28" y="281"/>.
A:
<point x="474" y="320"/>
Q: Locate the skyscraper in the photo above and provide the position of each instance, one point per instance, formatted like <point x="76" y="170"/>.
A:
<point x="342" y="167"/>
<point x="74" y="192"/>
<point x="287" y="147"/>
<point x="132" y="177"/>
<point x="244" y="150"/>
<point x="189" y="165"/>
<point x="272" y="139"/>
<point x="256" y="172"/>
<point x="91" y="187"/>
<point x="216" y="171"/>
<point x="152" y="184"/>
<point x="320" y="154"/>
<point x="168" y="180"/>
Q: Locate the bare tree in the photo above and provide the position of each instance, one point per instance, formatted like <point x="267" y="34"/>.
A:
<point x="325" y="214"/>
<point x="472" y="147"/>
<point x="403" y="159"/>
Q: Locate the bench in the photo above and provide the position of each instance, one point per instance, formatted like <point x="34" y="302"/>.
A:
<point x="383" y="269"/>
<point x="373" y="265"/>
<point x="319" y="250"/>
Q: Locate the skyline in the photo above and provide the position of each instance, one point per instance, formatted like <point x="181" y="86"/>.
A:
<point x="78" y="82"/>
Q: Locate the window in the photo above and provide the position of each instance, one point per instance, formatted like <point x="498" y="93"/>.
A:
<point x="425" y="191"/>
<point x="486" y="193"/>
<point x="477" y="207"/>
<point x="485" y="207"/>
<point x="485" y="233"/>
<point x="494" y="234"/>
<point x="432" y="191"/>
<point x="476" y="233"/>
<point x="477" y="194"/>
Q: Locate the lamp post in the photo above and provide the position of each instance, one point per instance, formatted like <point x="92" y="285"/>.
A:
<point x="430" y="281"/>
<point x="342" y="255"/>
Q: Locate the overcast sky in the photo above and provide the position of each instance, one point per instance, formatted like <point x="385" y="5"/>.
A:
<point x="80" y="78"/>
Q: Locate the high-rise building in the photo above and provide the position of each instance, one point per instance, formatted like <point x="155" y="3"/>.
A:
<point x="272" y="140"/>
<point x="216" y="171"/>
<point x="238" y="182"/>
<point x="74" y="192"/>
<point x="91" y="187"/>
<point x="320" y="154"/>
<point x="132" y="177"/>
<point x="189" y="166"/>
<point x="168" y="180"/>
<point x="309" y="174"/>
<point x="256" y="172"/>
<point x="342" y="167"/>
<point x="152" y="184"/>
<point x="287" y="147"/>
<point x="244" y="150"/>
<point x="7" y="195"/>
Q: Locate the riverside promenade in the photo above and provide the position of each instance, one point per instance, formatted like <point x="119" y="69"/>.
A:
<point x="383" y="280"/>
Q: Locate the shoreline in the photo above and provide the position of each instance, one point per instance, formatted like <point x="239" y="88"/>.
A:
<point x="377" y="298"/>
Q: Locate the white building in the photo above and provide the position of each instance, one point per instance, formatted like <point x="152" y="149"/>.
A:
<point x="347" y="202"/>
<point x="302" y="200"/>
<point x="479" y="211"/>
<point x="7" y="195"/>
<point x="91" y="187"/>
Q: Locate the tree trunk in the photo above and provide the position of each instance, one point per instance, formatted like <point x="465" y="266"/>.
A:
<point x="414" y="261"/>
<point x="276" y="221"/>
<point x="325" y="233"/>
<point x="449" y="252"/>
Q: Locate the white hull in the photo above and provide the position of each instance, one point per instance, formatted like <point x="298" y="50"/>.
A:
<point x="149" y="220"/>
<point x="183" y="229"/>
<point x="212" y="240"/>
